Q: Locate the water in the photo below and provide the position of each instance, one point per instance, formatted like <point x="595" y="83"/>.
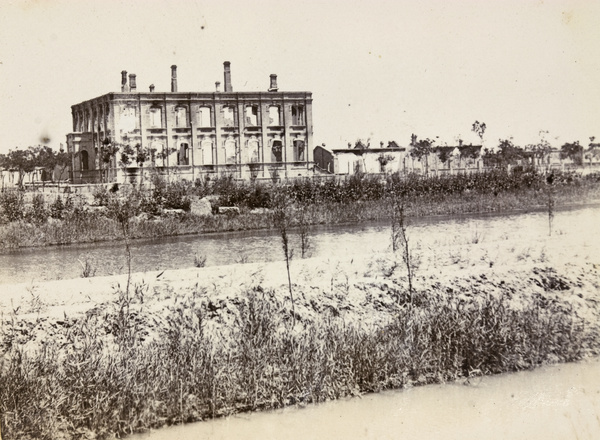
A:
<point x="64" y="262"/>
<point x="559" y="402"/>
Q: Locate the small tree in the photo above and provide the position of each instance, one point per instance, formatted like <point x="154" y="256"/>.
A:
<point x="444" y="154"/>
<point x="479" y="129"/>
<point x="422" y="149"/>
<point x="63" y="161"/>
<point x="506" y="154"/>
<point x="23" y="161"/>
<point x="108" y="152"/>
<point x="573" y="151"/>
<point x="383" y="160"/>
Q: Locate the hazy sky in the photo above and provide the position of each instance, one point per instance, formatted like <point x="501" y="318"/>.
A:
<point x="379" y="69"/>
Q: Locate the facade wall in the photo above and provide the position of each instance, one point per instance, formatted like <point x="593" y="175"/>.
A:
<point x="247" y="135"/>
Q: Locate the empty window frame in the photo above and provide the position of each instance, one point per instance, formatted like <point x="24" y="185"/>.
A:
<point x="277" y="151"/>
<point x="230" y="151"/>
<point x="181" y="116"/>
<point x="157" y="150"/>
<point x="274" y="118"/>
<point x="128" y="119"/>
<point x="183" y="155"/>
<point x="204" y="117"/>
<point x="252" y="115"/>
<point x="253" y="155"/>
<point x="228" y="116"/>
<point x="297" y="114"/>
<point x="85" y="163"/>
<point x="155" y="117"/>
<point x="207" y="152"/>
<point x="299" y="150"/>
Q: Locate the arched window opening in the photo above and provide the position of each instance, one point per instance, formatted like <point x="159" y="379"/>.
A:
<point x="274" y="115"/>
<point x="277" y="151"/>
<point x="181" y="117"/>
<point x="228" y="116"/>
<point x="183" y="156"/>
<point x="155" y="117"/>
<point x="128" y="119"/>
<point x="253" y="151"/>
<point x="252" y="115"/>
<point x="299" y="150"/>
<point x="230" y="153"/>
<point x="207" y="152"/>
<point x="204" y="117"/>
<point x="298" y="114"/>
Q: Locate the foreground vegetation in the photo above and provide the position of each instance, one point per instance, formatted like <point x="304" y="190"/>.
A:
<point x="165" y="210"/>
<point x="86" y="360"/>
<point x="125" y="366"/>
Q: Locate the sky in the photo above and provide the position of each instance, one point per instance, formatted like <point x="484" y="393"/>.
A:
<point x="378" y="70"/>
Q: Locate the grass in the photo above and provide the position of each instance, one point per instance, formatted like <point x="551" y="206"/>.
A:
<point x="121" y="368"/>
<point x="356" y="201"/>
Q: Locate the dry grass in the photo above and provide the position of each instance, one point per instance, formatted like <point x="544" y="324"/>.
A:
<point x="121" y="367"/>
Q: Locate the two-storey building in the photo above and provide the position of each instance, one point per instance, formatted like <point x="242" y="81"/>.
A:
<point x="191" y="134"/>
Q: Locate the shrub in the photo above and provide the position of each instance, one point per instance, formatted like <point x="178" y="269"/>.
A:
<point x="57" y="209"/>
<point x="13" y="205"/>
<point x="175" y="197"/>
<point x="37" y="212"/>
<point x="101" y="196"/>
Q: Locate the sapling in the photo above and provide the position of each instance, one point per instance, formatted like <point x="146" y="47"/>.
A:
<point x="281" y="221"/>
<point x="550" y="204"/>
<point x="399" y="232"/>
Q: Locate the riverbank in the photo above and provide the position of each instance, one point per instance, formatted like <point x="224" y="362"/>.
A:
<point x="93" y="224"/>
<point x="87" y="357"/>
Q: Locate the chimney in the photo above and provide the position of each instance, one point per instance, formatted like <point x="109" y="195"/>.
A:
<point x="124" y="81"/>
<point x="151" y="88"/>
<point x="218" y="86"/>
<point x="273" y="86"/>
<point x="173" y="78"/>
<point x="132" y="85"/>
<point x="227" y="76"/>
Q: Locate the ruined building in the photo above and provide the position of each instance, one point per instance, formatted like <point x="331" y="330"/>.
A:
<point x="131" y="133"/>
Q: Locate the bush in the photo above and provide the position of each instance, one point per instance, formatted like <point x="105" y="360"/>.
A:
<point x="57" y="209"/>
<point x="37" y="212"/>
<point x="175" y="197"/>
<point x="101" y="196"/>
<point x="13" y="205"/>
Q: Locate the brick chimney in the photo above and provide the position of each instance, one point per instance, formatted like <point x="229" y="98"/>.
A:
<point x="273" y="87"/>
<point x="151" y="88"/>
<point x="124" y="81"/>
<point x="173" y="78"/>
<point x="227" y="76"/>
<point x="132" y="85"/>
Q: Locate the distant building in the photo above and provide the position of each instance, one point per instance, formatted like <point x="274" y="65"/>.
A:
<point x="360" y="159"/>
<point x="192" y="134"/>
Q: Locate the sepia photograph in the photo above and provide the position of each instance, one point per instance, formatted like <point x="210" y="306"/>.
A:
<point x="329" y="219"/>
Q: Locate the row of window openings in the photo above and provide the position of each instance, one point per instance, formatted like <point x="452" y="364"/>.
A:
<point x="129" y="119"/>
<point x="205" y="120"/>
<point x="231" y="153"/>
